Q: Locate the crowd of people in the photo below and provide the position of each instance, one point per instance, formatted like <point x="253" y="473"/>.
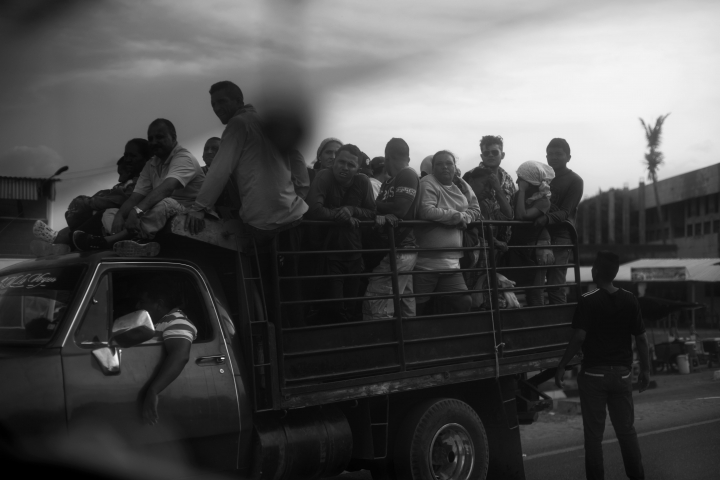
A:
<point x="271" y="190"/>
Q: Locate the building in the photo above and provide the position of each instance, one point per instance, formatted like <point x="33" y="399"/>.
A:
<point x="22" y="202"/>
<point x="627" y="220"/>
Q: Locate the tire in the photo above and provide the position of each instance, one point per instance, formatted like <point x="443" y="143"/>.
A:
<point x="441" y="439"/>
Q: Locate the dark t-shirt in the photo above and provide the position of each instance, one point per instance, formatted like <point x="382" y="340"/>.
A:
<point x="567" y="191"/>
<point x="404" y="184"/>
<point x="610" y="320"/>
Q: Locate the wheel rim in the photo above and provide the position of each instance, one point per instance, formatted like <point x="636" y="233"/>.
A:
<point x="452" y="454"/>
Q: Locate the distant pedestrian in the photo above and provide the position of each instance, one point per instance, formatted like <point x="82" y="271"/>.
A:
<point x="605" y="321"/>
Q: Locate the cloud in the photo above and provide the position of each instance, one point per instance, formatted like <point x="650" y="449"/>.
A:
<point x="23" y="161"/>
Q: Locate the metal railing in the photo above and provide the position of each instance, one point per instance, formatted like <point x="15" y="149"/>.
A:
<point x="279" y="353"/>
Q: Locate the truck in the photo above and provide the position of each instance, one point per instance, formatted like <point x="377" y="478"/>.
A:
<point x="428" y="397"/>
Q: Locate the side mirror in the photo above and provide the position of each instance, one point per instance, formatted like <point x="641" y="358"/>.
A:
<point x="109" y="359"/>
<point x="132" y="329"/>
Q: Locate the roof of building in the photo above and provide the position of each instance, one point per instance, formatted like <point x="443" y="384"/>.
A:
<point x="684" y="269"/>
<point x="25" y="188"/>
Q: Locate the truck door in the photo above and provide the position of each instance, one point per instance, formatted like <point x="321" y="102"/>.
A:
<point x="198" y="412"/>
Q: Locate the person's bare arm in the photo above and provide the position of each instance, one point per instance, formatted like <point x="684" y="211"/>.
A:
<point x="538" y="208"/>
<point x="641" y="342"/>
<point x="572" y="349"/>
<point x="125" y="209"/>
<point x="164" y="190"/>
<point x="177" y="355"/>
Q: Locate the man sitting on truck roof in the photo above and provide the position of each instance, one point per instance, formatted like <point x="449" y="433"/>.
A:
<point x="175" y="330"/>
<point x="342" y="195"/>
<point x="85" y="213"/>
<point x="448" y="205"/>
<point x="167" y="185"/>
<point x="396" y="201"/>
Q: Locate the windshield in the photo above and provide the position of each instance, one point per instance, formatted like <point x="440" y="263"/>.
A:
<point x="33" y="303"/>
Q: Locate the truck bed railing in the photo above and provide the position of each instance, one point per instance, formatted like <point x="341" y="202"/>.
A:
<point x="289" y="362"/>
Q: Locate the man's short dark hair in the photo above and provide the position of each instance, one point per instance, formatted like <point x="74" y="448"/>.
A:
<point x="352" y="150"/>
<point x="606" y="265"/>
<point x="167" y="123"/>
<point x="397" y="148"/>
<point x="442" y="152"/>
<point x="213" y="138"/>
<point x="228" y="87"/>
<point x="377" y="165"/>
<point x="489" y="140"/>
<point x="143" y="146"/>
<point x="559" y="143"/>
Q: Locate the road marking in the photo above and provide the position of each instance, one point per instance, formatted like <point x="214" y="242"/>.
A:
<point x="707" y="398"/>
<point x="613" y="440"/>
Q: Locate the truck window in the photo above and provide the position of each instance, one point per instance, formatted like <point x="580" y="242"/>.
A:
<point x="127" y="288"/>
<point x="33" y="303"/>
<point x="95" y="324"/>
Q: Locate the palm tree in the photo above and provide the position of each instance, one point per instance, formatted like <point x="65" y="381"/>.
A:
<point x="653" y="160"/>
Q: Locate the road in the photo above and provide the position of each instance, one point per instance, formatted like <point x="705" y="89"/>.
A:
<point x="678" y="424"/>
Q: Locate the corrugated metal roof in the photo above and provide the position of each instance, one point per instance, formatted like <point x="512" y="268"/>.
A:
<point x="698" y="269"/>
<point x="23" y="188"/>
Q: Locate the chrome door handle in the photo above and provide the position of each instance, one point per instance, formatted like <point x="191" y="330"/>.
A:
<point x="210" y="360"/>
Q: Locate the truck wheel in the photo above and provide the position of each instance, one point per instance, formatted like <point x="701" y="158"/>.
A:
<point x="442" y="439"/>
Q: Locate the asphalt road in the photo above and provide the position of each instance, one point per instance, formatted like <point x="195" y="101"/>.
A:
<point x="678" y="424"/>
<point x="687" y="452"/>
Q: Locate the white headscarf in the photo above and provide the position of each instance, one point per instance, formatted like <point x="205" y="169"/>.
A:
<point x="538" y="174"/>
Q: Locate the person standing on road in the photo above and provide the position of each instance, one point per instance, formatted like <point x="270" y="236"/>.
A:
<point x="605" y="320"/>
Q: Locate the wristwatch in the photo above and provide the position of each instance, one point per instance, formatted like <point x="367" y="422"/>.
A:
<point x="138" y="211"/>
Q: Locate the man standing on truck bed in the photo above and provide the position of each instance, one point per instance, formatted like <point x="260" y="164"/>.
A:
<point x="566" y="192"/>
<point x="271" y="185"/>
<point x="167" y="185"/>
<point x="175" y="330"/>
<point x="396" y="201"/>
<point x="605" y="321"/>
<point x="342" y="195"/>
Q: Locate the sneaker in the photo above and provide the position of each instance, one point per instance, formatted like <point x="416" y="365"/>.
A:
<point x="44" y="249"/>
<point x="131" y="248"/>
<point x="42" y="231"/>
<point x="86" y="242"/>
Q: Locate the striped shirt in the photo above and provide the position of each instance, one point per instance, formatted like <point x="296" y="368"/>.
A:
<point x="174" y="325"/>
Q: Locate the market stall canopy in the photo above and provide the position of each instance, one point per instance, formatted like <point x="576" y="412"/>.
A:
<point x="655" y="308"/>
<point x="660" y="270"/>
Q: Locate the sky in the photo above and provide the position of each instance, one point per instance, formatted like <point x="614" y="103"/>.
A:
<point x="81" y="80"/>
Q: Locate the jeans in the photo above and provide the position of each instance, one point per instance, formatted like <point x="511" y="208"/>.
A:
<point x="152" y="221"/>
<point x="610" y="387"/>
<point x="555" y="276"/>
<point x="383" y="308"/>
